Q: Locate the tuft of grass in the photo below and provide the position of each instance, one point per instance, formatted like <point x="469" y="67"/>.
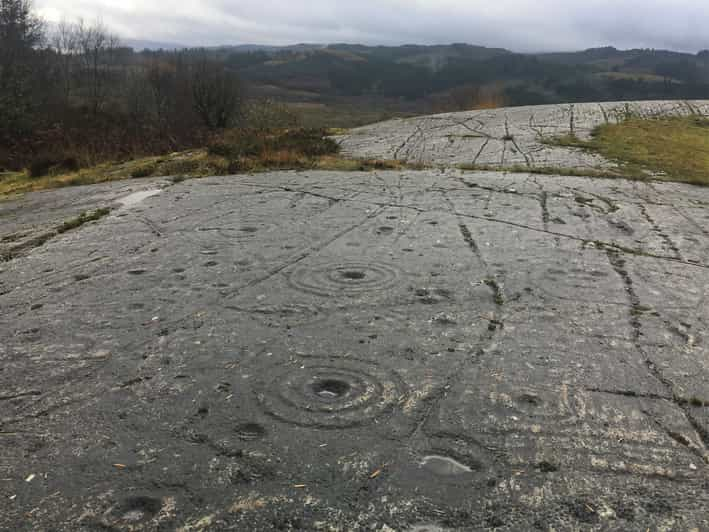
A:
<point x="336" y="131"/>
<point x="43" y="238"/>
<point x="45" y="165"/>
<point x="664" y="148"/>
<point x="83" y="218"/>
<point x="691" y="401"/>
<point x="364" y="165"/>
<point x="497" y="290"/>
<point x="466" y="136"/>
<point x="145" y="170"/>
<point x="290" y="148"/>
<point x="545" y="170"/>
<point x="567" y="141"/>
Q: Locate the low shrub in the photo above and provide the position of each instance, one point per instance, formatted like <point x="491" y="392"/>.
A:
<point x="180" y="167"/>
<point x="48" y="164"/>
<point x="143" y="171"/>
<point x="269" y="114"/>
<point x="238" y="143"/>
<point x="220" y="149"/>
<point x="309" y="142"/>
<point x="69" y="164"/>
<point x="263" y="146"/>
<point x="237" y="166"/>
<point x="41" y="166"/>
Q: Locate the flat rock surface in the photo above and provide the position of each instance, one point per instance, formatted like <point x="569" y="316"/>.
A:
<point x="36" y="216"/>
<point x="515" y="136"/>
<point x="401" y="350"/>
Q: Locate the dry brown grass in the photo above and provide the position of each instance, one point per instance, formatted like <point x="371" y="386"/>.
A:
<point x="231" y="154"/>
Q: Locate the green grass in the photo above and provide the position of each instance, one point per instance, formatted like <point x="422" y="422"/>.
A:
<point x="668" y="149"/>
<point x="83" y="218"/>
<point x="543" y="170"/>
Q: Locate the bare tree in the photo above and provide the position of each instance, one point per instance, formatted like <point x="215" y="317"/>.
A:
<point x="267" y="114"/>
<point x="20" y="29"/>
<point x="162" y="80"/>
<point x="217" y="93"/>
<point x="96" y="46"/>
<point x="65" y="42"/>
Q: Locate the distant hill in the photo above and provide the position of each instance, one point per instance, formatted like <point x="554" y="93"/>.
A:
<point x="463" y="75"/>
<point x="610" y="56"/>
<point x="430" y="57"/>
<point x="139" y="45"/>
<point x="246" y="48"/>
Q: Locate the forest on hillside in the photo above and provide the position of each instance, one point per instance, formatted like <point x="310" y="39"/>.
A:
<point x="73" y="95"/>
<point x="447" y="74"/>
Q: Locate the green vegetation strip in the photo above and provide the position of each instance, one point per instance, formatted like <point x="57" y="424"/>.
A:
<point x="83" y="218"/>
<point x="544" y="170"/>
<point x="41" y="239"/>
<point x="235" y="151"/>
<point x="668" y="149"/>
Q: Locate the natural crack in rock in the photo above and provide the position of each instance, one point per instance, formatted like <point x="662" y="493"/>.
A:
<point x="524" y="129"/>
<point x="363" y="351"/>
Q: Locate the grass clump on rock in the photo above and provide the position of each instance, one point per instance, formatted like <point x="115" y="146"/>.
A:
<point x="667" y="148"/>
<point x="254" y="150"/>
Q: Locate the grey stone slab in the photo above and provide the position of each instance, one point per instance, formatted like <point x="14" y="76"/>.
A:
<point x="503" y="137"/>
<point x="32" y="215"/>
<point x="356" y="351"/>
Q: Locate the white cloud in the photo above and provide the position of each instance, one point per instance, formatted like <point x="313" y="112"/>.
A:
<point x="518" y="25"/>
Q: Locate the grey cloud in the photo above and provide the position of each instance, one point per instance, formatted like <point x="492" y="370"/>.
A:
<point x="514" y="24"/>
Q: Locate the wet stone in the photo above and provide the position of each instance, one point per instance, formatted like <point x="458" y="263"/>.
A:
<point x="474" y="365"/>
<point x="330" y="389"/>
<point x="444" y="466"/>
<point x="136" y="509"/>
<point x="250" y="431"/>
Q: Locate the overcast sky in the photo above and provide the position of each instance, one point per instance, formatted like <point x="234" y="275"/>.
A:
<point x="520" y="25"/>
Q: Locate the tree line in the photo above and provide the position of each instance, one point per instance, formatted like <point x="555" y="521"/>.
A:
<point x="72" y="92"/>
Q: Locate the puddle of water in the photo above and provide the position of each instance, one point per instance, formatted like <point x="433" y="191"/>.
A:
<point x="444" y="466"/>
<point x="137" y="197"/>
<point x="330" y="389"/>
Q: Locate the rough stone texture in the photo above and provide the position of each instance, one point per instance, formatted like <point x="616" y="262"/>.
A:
<point x="163" y="365"/>
<point x="33" y="217"/>
<point x="432" y="350"/>
<point x="502" y="137"/>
